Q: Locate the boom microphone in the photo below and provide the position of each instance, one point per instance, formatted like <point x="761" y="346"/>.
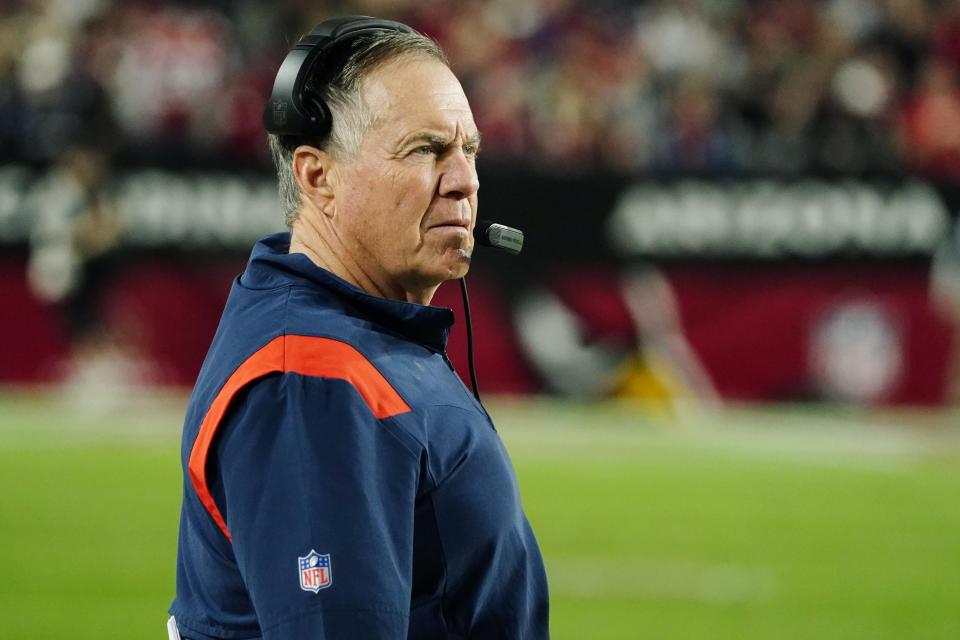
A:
<point x="500" y="236"/>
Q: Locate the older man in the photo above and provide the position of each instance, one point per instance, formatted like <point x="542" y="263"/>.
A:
<point x="339" y="479"/>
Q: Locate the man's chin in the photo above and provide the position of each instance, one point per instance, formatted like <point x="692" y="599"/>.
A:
<point x="455" y="269"/>
<point x="448" y="264"/>
<point x="455" y="264"/>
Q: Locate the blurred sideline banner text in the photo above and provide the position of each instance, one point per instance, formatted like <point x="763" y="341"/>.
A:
<point x="774" y="289"/>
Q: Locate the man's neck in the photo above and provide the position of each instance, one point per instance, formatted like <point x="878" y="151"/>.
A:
<point x="321" y="247"/>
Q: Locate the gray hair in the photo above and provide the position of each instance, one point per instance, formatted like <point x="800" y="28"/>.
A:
<point x="350" y="116"/>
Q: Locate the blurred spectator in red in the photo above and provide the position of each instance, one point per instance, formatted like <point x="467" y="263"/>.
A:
<point x="931" y="122"/>
<point x="946" y="35"/>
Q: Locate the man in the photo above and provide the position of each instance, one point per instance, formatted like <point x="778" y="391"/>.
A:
<point x="340" y="480"/>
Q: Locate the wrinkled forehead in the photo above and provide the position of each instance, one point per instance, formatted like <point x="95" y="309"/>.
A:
<point x="417" y="91"/>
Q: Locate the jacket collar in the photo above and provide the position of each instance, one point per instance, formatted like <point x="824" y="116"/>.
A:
<point x="272" y="265"/>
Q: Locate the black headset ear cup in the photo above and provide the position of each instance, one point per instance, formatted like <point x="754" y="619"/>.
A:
<point x="296" y="109"/>
<point x="317" y="112"/>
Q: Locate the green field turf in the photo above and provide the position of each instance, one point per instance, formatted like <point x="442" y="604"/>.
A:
<point x="750" y="523"/>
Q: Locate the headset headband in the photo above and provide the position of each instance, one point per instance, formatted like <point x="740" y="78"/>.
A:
<point x="289" y="112"/>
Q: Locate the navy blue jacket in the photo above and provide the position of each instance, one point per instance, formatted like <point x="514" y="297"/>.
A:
<point x="339" y="479"/>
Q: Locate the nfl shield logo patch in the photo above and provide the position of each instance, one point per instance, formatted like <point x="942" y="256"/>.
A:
<point x="315" y="573"/>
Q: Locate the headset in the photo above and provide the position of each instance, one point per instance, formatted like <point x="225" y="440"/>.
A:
<point x="294" y="111"/>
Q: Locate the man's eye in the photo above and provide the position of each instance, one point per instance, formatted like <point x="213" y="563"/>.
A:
<point x="470" y="149"/>
<point x="424" y="150"/>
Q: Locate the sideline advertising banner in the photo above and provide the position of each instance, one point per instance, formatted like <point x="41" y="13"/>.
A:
<point x="662" y="290"/>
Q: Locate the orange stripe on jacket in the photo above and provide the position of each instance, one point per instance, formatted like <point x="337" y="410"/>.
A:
<point x="307" y="355"/>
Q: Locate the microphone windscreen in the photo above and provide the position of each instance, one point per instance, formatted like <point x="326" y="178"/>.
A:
<point x="494" y="234"/>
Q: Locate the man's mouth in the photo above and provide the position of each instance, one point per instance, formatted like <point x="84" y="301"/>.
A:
<point x="450" y="225"/>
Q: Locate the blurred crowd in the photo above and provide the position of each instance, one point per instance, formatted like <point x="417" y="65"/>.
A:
<point x="710" y="88"/>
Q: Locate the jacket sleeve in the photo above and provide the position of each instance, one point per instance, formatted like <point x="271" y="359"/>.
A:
<point x="306" y="471"/>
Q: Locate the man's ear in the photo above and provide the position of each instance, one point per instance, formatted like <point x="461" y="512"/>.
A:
<point x="311" y="167"/>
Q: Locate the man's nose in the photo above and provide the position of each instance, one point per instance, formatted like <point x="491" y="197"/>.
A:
<point x="459" y="179"/>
